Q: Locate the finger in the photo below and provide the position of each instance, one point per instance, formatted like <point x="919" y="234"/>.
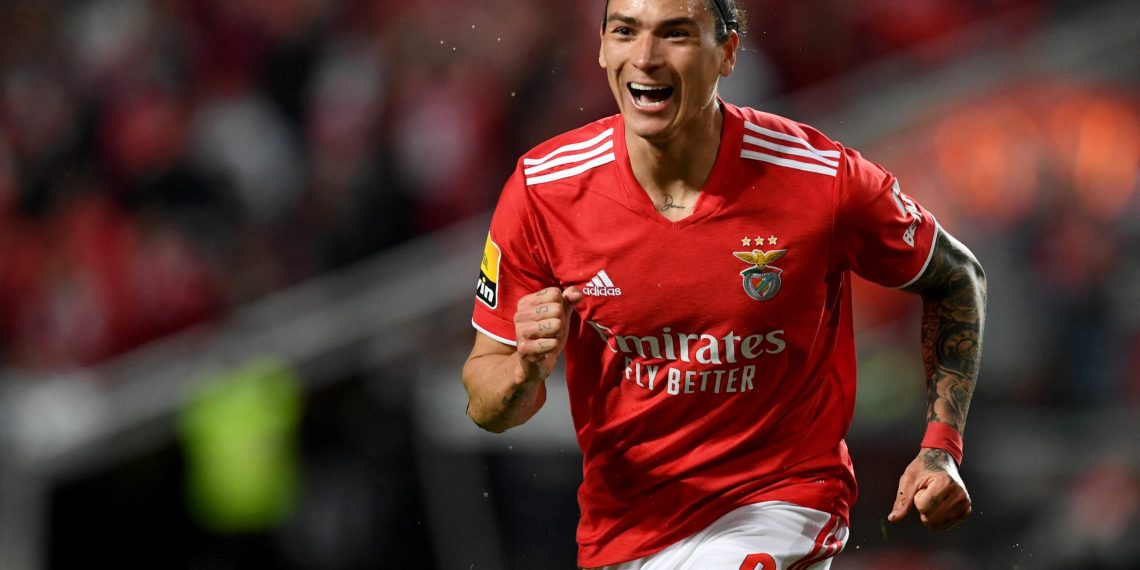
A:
<point x="942" y="510"/>
<point x="903" y="499"/>
<point x="940" y="493"/>
<point x="536" y="349"/>
<point x="945" y="520"/>
<point x="534" y="313"/>
<point x="572" y="295"/>
<point x="926" y="500"/>
<point x="539" y="336"/>
<point x="958" y="509"/>
<point x="949" y="522"/>
<point x="933" y="502"/>
<point x="548" y="310"/>
<point x="928" y="514"/>
<point x="547" y="295"/>
<point x="545" y="328"/>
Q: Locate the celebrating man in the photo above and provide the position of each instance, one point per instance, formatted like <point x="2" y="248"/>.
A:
<point x="692" y="259"/>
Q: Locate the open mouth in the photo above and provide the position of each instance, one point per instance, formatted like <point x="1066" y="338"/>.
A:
<point x="649" y="96"/>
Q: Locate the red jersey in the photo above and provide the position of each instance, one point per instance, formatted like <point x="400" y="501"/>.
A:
<point x="711" y="363"/>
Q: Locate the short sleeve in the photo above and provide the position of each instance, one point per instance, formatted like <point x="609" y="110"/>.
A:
<point x="882" y="234"/>
<point x="512" y="266"/>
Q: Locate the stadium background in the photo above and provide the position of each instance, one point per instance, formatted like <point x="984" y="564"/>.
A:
<point x="238" y="240"/>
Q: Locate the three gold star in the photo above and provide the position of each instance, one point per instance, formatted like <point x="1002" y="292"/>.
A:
<point x="759" y="240"/>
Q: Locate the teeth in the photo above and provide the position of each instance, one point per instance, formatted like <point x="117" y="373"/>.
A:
<point x="641" y="87"/>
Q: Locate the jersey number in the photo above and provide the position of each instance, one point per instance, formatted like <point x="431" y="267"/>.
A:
<point x="759" y="562"/>
<point x="908" y="208"/>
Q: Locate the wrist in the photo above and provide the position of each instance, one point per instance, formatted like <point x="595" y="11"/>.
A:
<point x="943" y="436"/>
<point x="525" y="373"/>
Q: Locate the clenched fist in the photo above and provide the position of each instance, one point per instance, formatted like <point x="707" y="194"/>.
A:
<point x="542" y="324"/>
<point x="931" y="484"/>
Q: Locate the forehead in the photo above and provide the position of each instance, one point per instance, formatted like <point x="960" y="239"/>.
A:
<point x="660" y="9"/>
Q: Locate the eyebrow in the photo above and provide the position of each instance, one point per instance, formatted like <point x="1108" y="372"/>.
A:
<point x="630" y="20"/>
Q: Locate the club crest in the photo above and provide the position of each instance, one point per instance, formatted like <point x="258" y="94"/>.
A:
<point x="762" y="280"/>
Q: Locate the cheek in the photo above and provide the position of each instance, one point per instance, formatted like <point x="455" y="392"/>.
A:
<point x="710" y="75"/>
<point x="699" y="86"/>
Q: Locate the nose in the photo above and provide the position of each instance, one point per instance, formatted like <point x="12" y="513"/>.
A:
<point x="647" y="52"/>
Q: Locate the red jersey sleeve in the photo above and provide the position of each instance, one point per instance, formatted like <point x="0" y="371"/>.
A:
<point x="513" y="264"/>
<point x="882" y="234"/>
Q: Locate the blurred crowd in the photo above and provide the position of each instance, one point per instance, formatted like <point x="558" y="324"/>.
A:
<point x="1041" y="180"/>
<point x="162" y="161"/>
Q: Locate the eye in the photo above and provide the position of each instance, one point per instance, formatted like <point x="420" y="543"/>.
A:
<point x="622" y="31"/>
<point x="679" y="35"/>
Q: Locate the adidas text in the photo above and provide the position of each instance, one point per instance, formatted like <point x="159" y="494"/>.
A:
<point x="602" y="291"/>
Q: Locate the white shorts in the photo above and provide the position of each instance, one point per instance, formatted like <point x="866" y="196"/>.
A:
<point x="772" y="535"/>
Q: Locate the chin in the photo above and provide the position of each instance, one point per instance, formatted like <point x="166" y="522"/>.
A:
<point x="653" y="130"/>
<point x="650" y="135"/>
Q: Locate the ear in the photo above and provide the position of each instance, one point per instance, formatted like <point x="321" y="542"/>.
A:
<point x="729" y="50"/>
<point x="602" y="48"/>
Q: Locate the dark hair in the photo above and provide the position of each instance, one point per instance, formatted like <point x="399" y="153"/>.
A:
<point x="728" y="14"/>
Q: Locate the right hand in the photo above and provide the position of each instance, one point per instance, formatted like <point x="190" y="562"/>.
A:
<point x="542" y="324"/>
<point x="932" y="486"/>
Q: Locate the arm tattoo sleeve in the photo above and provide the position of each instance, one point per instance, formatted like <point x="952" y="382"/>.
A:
<point x="953" y="290"/>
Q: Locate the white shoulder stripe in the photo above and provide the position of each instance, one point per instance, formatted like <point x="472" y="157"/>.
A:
<point x="570" y="158"/>
<point x="807" y="166"/>
<point x="929" y="256"/>
<point x="790" y="138"/>
<point x="789" y="150"/>
<point x="604" y="159"/>
<point x="569" y="148"/>
<point x="493" y="335"/>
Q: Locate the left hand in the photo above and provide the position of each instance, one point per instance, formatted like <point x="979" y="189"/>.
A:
<point x="931" y="484"/>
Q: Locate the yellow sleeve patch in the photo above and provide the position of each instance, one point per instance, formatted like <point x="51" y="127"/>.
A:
<point x="487" y="288"/>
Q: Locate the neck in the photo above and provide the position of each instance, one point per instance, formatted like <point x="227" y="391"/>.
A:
<point x="682" y="163"/>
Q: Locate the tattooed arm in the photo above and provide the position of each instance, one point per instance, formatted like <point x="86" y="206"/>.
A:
<point x="506" y="385"/>
<point x="953" y="290"/>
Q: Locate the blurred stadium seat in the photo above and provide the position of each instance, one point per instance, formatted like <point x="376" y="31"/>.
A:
<point x="189" y="187"/>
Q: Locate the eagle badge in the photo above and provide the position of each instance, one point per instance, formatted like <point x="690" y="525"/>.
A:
<point x="761" y="280"/>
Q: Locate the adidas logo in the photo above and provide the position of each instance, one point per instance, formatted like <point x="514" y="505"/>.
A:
<point x="601" y="286"/>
